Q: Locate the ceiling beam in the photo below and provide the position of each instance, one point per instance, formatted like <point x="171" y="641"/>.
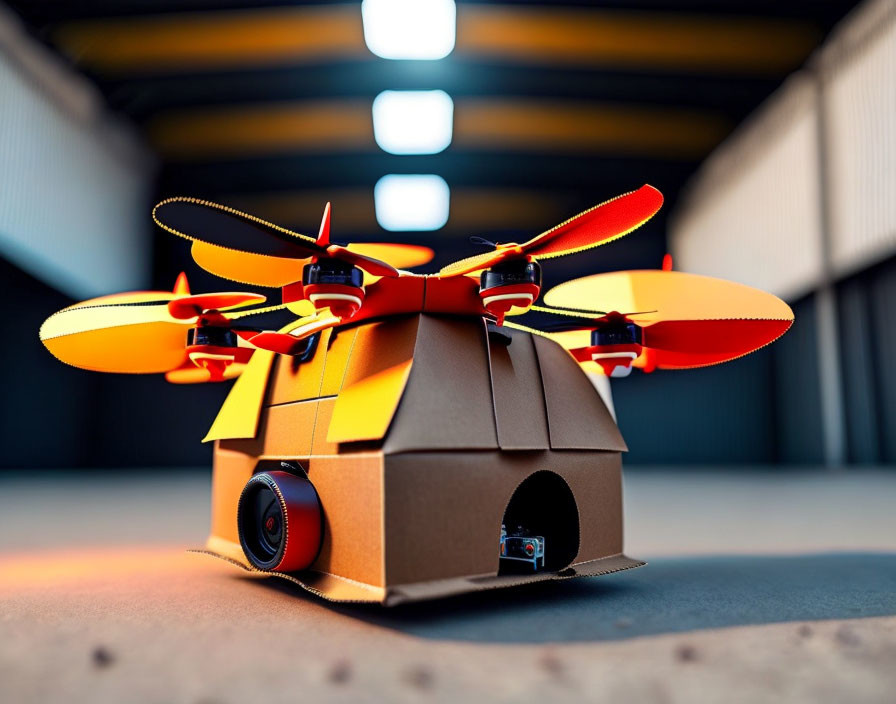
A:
<point x="508" y="124"/>
<point x="524" y="35"/>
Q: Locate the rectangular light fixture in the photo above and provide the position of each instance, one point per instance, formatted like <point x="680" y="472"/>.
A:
<point x="413" y="121"/>
<point x="411" y="202"/>
<point x="409" y="29"/>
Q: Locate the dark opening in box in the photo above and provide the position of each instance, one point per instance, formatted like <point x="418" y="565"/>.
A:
<point x="543" y="506"/>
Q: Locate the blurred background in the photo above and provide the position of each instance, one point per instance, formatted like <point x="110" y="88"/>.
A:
<point x="770" y="127"/>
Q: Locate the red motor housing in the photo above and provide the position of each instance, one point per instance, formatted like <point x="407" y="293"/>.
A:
<point x="615" y="360"/>
<point x="344" y="301"/>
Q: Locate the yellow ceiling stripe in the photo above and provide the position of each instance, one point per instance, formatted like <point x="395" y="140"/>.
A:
<point x="507" y="124"/>
<point x="530" y="35"/>
<point x="215" y="40"/>
<point x="632" y="39"/>
<point x="314" y="126"/>
<point x="540" y="125"/>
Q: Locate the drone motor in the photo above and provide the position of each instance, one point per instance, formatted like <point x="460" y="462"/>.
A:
<point x="615" y="344"/>
<point x="510" y="287"/>
<point x="214" y="348"/>
<point x="334" y="284"/>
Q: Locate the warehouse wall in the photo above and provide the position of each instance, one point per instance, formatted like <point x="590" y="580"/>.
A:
<point x="73" y="178"/>
<point x="75" y="193"/>
<point x="800" y="201"/>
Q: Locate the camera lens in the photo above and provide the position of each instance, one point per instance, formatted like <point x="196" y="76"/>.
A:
<point x="260" y="519"/>
<point x="271" y="522"/>
<point x="279" y="521"/>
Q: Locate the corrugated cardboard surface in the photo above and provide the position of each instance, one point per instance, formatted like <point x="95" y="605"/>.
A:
<point x="518" y="395"/>
<point x="350" y="488"/>
<point x="444" y="510"/>
<point x="319" y="443"/>
<point x="380" y="346"/>
<point x="230" y="473"/>
<point x="374" y="379"/>
<point x="447" y="403"/>
<point x="577" y="416"/>
<point x="285" y="431"/>
<point x="339" y="350"/>
<point x="595" y="479"/>
<point x="424" y="520"/>
<point x="365" y="409"/>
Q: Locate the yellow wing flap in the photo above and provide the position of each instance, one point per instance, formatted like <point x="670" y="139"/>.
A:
<point x="365" y="409"/>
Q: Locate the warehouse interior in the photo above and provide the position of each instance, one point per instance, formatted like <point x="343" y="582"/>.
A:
<point x="760" y="492"/>
<point x="764" y="124"/>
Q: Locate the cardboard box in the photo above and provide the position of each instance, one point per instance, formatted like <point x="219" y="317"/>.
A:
<point x="422" y="436"/>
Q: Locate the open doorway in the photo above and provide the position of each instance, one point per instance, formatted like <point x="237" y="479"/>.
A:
<point x="541" y="526"/>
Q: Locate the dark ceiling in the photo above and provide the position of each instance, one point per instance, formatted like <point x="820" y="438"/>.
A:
<point x="266" y="105"/>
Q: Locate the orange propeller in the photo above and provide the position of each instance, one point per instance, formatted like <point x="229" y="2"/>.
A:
<point x="214" y="224"/>
<point x="144" y="332"/>
<point x="686" y="320"/>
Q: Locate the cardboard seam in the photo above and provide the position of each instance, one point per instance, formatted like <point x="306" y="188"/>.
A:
<point x="348" y="359"/>
<point x="491" y="379"/>
<point x="320" y="385"/>
<point x="544" y="393"/>
<point x="304" y="400"/>
<point x="483" y="328"/>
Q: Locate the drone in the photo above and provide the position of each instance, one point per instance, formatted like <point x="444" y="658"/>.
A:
<point x="367" y="340"/>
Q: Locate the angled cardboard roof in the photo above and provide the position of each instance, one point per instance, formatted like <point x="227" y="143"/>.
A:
<point x="428" y="382"/>
<point x="447" y="403"/>
<point x="460" y="391"/>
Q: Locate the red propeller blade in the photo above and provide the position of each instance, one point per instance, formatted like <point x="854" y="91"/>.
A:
<point x="373" y="266"/>
<point x="696" y="343"/>
<point x="598" y="225"/>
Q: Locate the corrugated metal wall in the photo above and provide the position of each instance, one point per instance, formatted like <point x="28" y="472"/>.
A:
<point x="858" y="75"/>
<point x="802" y="202"/>
<point x="754" y="211"/>
<point x="74" y="189"/>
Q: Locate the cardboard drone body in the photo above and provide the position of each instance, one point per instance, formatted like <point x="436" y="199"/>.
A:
<point x="400" y="440"/>
<point x="422" y="436"/>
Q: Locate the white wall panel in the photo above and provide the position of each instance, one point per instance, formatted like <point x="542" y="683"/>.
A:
<point x="753" y="214"/>
<point x="73" y="205"/>
<point x="860" y="104"/>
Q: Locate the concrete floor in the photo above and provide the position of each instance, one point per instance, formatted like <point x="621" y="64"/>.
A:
<point x="762" y="586"/>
